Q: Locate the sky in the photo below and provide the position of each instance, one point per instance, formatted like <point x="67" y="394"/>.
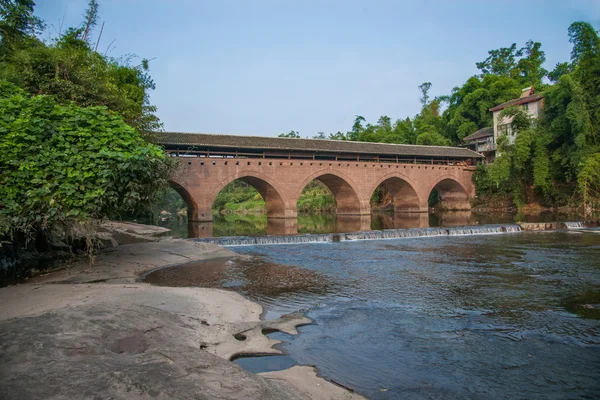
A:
<point x="264" y="67"/>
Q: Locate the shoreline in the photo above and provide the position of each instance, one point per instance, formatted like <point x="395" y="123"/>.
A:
<point x="101" y="319"/>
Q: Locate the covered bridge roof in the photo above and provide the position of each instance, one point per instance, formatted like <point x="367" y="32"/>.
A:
<point x="175" y="140"/>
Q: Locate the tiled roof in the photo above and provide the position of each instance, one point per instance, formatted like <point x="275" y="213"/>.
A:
<point x="183" y="140"/>
<point x="516" y="102"/>
<point x="483" y="132"/>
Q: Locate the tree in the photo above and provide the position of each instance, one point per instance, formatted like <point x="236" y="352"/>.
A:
<point x="585" y="59"/>
<point x="524" y="64"/>
<point x="291" y="134"/>
<point x="90" y="21"/>
<point x="424" y="88"/>
<point x="430" y="137"/>
<point x="585" y="41"/>
<point x="588" y="182"/>
<point x="17" y="19"/>
<point x="529" y="68"/>
<point x="339" y="135"/>
<point x="320" y="135"/>
<point x="559" y="70"/>
<point x="357" y="128"/>
<point x="71" y="71"/>
<point x="500" y="62"/>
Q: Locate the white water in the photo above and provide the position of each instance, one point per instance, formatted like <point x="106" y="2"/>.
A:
<point x="366" y="235"/>
<point x="575" y="225"/>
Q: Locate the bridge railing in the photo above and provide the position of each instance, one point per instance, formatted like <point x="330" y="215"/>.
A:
<point x="221" y="154"/>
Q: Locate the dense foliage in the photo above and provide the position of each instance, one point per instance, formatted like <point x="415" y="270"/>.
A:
<point x="71" y="144"/>
<point x="65" y="161"/>
<point x="70" y="69"/>
<point x="556" y="157"/>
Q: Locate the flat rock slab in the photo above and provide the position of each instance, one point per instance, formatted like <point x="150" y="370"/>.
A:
<point x="132" y="227"/>
<point x="124" y="264"/>
<point x="118" y="348"/>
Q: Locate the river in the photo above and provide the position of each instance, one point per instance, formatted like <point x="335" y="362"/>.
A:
<point x="503" y="316"/>
<point x="259" y="224"/>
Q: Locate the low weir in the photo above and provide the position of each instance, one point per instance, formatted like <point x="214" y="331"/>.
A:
<point x="364" y="235"/>
<point x="575" y="225"/>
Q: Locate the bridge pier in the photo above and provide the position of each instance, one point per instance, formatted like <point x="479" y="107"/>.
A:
<point x="200" y="215"/>
<point x="200" y="229"/>
<point x="282" y="226"/>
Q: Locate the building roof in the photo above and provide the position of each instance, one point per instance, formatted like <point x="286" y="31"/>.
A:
<point x="187" y="140"/>
<point x="483" y="132"/>
<point x="519" y="101"/>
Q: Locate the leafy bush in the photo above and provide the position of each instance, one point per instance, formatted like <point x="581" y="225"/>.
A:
<point x="61" y="162"/>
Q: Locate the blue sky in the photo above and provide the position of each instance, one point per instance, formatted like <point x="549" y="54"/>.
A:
<point x="264" y="67"/>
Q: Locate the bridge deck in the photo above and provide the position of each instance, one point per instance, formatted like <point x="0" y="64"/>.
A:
<point x="230" y="146"/>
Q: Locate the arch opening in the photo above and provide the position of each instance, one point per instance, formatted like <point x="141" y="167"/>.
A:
<point x="396" y="194"/>
<point x="316" y="197"/>
<point x="451" y="196"/>
<point x="249" y="195"/>
<point x="434" y="200"/>
<point x="190" y="203"/>
<point x="346" y="199"/>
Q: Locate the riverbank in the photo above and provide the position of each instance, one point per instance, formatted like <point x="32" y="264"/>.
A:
<point x="88" y="331"/>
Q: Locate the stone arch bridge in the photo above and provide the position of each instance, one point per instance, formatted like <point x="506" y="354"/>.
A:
<point x="280" y="168"/>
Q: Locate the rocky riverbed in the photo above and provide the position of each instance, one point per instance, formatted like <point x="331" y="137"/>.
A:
<point x="95" y="331"/>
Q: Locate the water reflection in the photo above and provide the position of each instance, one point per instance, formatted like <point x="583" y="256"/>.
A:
<point x="259" y="225"/>
<point x="400" y="221"/>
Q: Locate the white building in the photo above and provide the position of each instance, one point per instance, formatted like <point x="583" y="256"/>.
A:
<point x="529" y="101"/>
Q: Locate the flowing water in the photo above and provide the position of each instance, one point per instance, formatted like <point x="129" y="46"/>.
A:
<point x="497" y="315"/>
<point x="365" y="235"/>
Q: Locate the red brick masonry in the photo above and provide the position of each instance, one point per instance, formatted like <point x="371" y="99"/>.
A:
<point x="280" y="182"/>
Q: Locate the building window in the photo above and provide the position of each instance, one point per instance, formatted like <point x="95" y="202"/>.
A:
<point x="505" y="129"/>
<point x="526" y="106"/>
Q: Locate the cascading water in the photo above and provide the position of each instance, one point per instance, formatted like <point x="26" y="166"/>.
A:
<point x="575" y="225"/>
<point x="365" y="235"/>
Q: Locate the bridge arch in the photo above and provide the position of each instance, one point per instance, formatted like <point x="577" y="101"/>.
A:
<point x="275" y="203"/>
<point x="190" y="202"/>
<point x="344" y="190"/>
<point x="453" y="195"/>
<point x="403" y="191"/>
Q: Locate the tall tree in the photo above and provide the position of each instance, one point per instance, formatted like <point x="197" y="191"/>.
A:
<point x="16" y="17"/>
<point x="530" y="68"/>
<point x="90" y="20"/>
<point x="357" y="128"/>
<point x="586" y="60"/>
<point x="523" y="65"/>
<point x="501" y="61"/>
<point x="424" y="89"/>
